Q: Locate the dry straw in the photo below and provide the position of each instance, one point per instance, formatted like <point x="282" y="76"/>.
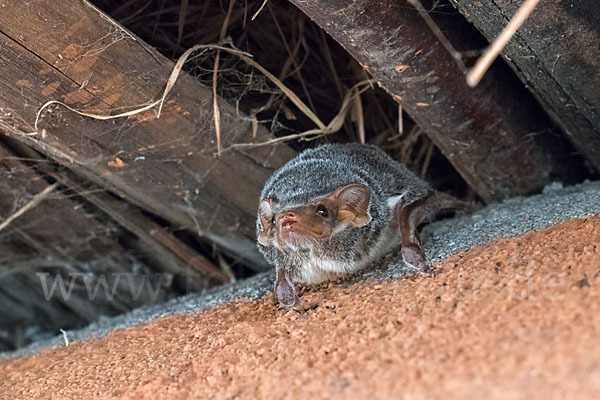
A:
<point x="475" y="75"/>
<point x="484" y="62"/>
<point x="37" y="199"/>
<point x="322" y="129"/>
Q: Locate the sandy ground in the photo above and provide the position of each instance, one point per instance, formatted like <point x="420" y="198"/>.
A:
<point x="516" y="318"/>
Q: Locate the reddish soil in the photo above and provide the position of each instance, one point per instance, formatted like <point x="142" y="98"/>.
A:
<point x="516" y="318"/>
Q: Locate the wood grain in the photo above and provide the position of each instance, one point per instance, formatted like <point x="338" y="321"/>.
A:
<point x="73" y="53"/>
<point x="59" y="237"/>
<point x="495" y="135"/>
<point x="557" y="55"/>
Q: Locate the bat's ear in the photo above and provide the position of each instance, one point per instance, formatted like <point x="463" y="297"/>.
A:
<point x="265" y="210"/>
<point x="265" y="214"/>
<point x="353" y="204"/>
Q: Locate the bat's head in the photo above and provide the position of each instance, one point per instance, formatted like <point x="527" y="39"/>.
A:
<point x="301" y="226"/>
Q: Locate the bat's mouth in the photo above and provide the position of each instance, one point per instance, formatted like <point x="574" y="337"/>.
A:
<point x="296" y="231"/>
<point x="298" y="240"/>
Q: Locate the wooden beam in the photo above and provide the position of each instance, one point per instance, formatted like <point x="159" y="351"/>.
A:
<point x="557" y="55"/>
<point x="76" y="54"/>
<point x="493" y="136"/>
<point x="171" y="255"/>
<point x="59" y="237"/>
<point x="64" y="234"/>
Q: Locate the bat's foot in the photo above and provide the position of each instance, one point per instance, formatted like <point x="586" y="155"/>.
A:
<point x="287" y="304"/>
<point x="414" y="257"/>
<point x="286" y="291"/>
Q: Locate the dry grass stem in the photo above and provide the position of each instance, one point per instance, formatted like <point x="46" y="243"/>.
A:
<point x="483" y="63"/>
<point x="359" y="118"/>
<point x="216" y="111"/>
<point x="90" y="115"/>
<point x="400" y="121"/>
<point x="254" y="125"/>
<point x="428" y="155"/>
<point x="334" y="125"/>
<point x="37" y="199"/>
<point x="292" y="58"/>
<point x="65" y="338"/>
<point x="182" y="15"/>
<point x="260" y="9"/>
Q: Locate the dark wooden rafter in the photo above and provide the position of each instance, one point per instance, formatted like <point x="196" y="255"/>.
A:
<point x="65" y="234"/>
<point x="72" y="52"/>
<point x="59" y="237"/>
<point x="557" y="55"/>
<point x="492" y="136"/>
<point x="172" y="255"/>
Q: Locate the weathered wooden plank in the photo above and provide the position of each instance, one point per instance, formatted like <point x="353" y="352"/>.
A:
<point x="172" y="255"/>
<point x="487" y="133"/>
<point x="61" y="238"/>
<point x="167" y="166"/>
<point x="557" y="55"/>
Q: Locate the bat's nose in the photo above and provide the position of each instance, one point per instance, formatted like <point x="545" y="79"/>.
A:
<point x="287" y="220"/>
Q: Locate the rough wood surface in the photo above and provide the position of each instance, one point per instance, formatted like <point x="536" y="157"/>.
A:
<point x="557" y="54"/>
<point x="62" y="238"/>
<point x="71" y="52"/>
<point x="172" y="255"/>
<point x="491" y="134"/>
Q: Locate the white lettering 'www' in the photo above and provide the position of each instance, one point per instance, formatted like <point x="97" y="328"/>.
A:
<point x="95" y="284"/>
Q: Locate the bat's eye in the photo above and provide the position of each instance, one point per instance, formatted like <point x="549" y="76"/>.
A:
<point x="273" y="220"/>
<point x="322" y="210"/>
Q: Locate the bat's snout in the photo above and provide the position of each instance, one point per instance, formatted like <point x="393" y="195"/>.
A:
<point x="287" y="220"/>
<point x="295" y="229"/>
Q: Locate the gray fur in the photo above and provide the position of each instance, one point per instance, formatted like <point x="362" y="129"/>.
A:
<point x="322" y="170"/>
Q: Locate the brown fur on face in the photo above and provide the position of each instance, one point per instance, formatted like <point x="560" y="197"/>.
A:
<point x="301" y="226"/>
